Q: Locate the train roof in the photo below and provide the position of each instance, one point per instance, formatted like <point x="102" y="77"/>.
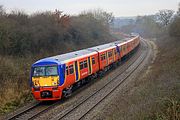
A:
<point x="105" y="46"/>
<point x="108" y="45"/>
<point x="73" y="55"/>
<point x="101" y="47"/>
<point x="81" y="53"/>
<point x="63" y="58"/>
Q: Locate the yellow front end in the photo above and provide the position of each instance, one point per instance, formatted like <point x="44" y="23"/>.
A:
<point x="45" y="81"/>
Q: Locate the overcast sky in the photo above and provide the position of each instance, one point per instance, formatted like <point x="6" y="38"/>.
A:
<point x="118" y="7"/>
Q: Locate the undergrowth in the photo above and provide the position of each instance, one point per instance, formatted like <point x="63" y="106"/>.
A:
<point x="161" y="86"/>
<point x="14" y="76"/>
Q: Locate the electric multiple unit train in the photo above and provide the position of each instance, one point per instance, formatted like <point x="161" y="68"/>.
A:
<point x="54" y="77"/>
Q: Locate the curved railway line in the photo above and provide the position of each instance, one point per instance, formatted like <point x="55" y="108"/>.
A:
<point x="80" y="109"/>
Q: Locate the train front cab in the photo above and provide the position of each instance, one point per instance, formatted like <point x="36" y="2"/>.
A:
<point x="46" y="80"/>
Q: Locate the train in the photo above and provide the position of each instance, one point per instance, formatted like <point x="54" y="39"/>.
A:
<point x="55" y="77"/>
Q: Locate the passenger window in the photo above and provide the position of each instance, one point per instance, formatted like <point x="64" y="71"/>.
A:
<point x="102" y="57"/>
<point x="67" y="71"/>
<point x="81" y="65"/>
<point x="93" y="60"/>
<point x="115" y="52"/>
<point x="71" y="69"/>
<point x="124" y="48"/>
<point x="110" y="54"/>
<point x="85" y="64"/>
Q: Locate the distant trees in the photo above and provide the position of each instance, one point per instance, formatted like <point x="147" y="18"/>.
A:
<point x="50" y="33"/>
<point x="178" y="12"/>
<point x="174" y="28"/>
<point x="2" y="11"/>
<point x="147" y="26"/>
<point x="101" y="15"/>
<point x="164" y="17"/>
<point x="144" y="25"/>
<point x="165" y="22"/>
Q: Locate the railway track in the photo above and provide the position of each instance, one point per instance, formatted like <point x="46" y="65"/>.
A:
<point x="75" y="111"/>
<point x="34" y="111"/>
<point x="80" y="110"/>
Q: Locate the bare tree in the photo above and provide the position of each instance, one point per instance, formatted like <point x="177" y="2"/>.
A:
<point x="164" y="17"/>
<point x="2" y="10"/>
<point x="178" y="12"/>
<point x="101" y="15"/>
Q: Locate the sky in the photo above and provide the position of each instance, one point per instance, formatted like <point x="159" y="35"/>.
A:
<point x="119" y="8"/>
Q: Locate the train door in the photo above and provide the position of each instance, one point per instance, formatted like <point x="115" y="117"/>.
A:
<point x="89" y="65"/>
<point x="118" y="49"/>
<point x="77" y="71"/>
<point x="106" y="54"/>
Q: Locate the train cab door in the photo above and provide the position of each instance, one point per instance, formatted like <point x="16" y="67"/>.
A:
<point x="89" y="65"/>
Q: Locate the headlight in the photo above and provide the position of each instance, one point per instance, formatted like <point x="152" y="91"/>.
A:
<point x="36" y="88"/>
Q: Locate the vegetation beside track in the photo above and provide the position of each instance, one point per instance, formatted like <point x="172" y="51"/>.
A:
<point x="154" y="93"/>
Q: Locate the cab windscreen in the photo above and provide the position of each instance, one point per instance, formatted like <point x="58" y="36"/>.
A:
<point x="45" y="71"/>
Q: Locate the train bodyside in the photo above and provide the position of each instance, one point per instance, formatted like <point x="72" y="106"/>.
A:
<point x="80" y="68"/>
<point x="128" y="46"/>
<point x="107" y="55"/>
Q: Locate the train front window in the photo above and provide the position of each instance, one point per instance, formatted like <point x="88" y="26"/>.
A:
<point x="51" y="71"/>
<point x="45" y="71"/>
<point x="39" y="71"/>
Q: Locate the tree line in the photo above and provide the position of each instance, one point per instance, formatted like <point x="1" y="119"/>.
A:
<point x="49" y="33"/>
<point x="163" y="22"/>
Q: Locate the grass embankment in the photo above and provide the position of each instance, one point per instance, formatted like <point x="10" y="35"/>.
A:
<point x="14" y="89"/>
<point x="158" y="93"/>
<point x="164" y="84"/>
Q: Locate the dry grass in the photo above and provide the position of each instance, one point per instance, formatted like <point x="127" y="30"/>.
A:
<point x="14" y="81"/>
<point x="158" y="93"/>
